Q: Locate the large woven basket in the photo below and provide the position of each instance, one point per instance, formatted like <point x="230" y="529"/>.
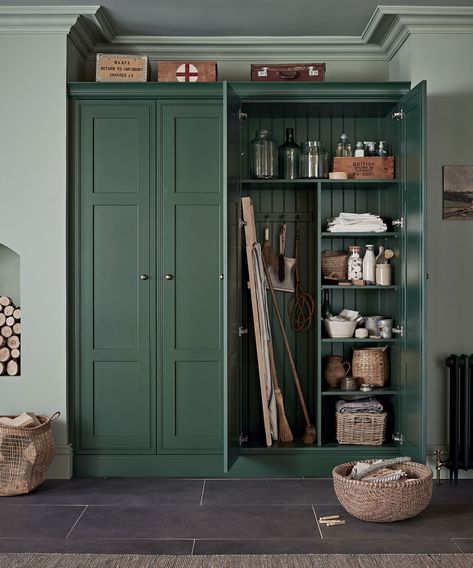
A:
<point x="367" y="428"/>
<point x="335" y="264"/>
<point x="372" y="365"/>
<point x="384" y="502"/>
<point x="25" y="456"/>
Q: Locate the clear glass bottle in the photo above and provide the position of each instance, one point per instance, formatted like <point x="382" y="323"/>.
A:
<point x="314" y="160"/>
<point x="359" y="150"/>
<point x="344" y="149"/>
<point x="264" y="156"/>
<point x="380" y="259"/>
<point x="355" y="264"/>
<point x="370" y="148"/>
<point x="383" y="148"/>
<point x="289" y="157"/>
<point x="369" y="265"/>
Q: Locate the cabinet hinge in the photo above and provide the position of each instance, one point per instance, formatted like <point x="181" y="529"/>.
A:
<point x="242" y="331"/>
<point x="398" y="115"/>
<point x="399" y="223"/>
<point x="242" y="439"/>
<point x="398" y="437"/>
<point x="399" y="331"/>
<point x="242" y="115"/>
<point x="241" y="223"/>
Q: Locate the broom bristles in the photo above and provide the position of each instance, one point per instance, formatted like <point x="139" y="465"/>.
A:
<point x="310" y="435"/>
<point x="284" y="430"/>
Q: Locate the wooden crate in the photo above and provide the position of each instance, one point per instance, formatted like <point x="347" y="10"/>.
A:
<point x="369" y="167"/>
<point x="133" y="68"/>
<point x="288" y="72"/>
<point x="187" y="71"/>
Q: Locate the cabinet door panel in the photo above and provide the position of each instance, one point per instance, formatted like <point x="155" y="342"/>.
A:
<point x="116" y="411"/>
<point x="192" y="299"/>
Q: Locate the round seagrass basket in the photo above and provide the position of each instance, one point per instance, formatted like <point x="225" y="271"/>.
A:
<point x="25" y="456"/>
<point x="384" y="502"/>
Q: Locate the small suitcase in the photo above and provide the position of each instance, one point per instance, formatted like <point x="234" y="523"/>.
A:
<point x="288" y="72"/>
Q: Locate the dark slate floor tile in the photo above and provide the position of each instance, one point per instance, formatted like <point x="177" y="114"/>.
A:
<point x="465" y="544"/>
<point x="96" y="546"/>
<point x="437" y="521"/>
<point x="196" y="522"/>
<point x="269" y="492"/>
<point x="326" y="546"/>
<point x="21" y="521"/>
<point x="448" y="492"/>
<point x="115" y="491"/>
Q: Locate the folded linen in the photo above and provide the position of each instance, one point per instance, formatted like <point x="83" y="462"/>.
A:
<point x="369" y="404"/>
<point x="356" y="222"/>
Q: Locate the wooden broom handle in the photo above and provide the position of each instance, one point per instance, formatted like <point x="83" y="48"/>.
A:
<point x="288" y="349"/>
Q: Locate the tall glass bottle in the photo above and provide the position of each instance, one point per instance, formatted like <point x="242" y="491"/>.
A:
<point x="326" y="308"/>
<point x="264" y="156"/>
<point x="369" y="265"/>
<point x="289" y="157"/>
<point x="344" y="148"/>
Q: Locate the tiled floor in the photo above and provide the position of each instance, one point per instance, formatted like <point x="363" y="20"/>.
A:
<point x="218" y="516"/>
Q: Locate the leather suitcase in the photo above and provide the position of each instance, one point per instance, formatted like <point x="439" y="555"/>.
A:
<point x="288" y="72"/>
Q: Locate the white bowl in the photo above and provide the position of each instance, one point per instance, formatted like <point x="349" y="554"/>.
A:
<point x="340" y="328"/>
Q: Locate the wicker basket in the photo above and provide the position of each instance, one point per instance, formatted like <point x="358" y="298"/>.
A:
<point x="367" y="428"/>
<point x="372" y="365"/>
<point x="335" y="264"/>
<point x="384" y="502"/>
<point x="25" y="455"/>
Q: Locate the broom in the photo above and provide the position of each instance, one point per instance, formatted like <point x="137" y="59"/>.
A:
<point x="309" y="436"/>
<point x="284" y="430"/>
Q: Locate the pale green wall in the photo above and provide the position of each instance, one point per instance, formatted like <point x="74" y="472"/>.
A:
<point x="33" y="221"/>
<point x="445" y="61"/>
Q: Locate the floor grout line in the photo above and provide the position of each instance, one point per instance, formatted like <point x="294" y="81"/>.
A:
<point x="74" y="525"/>
<point x="203" y="489"/>
<point x="457" y="545"/>
<point x="193" y="546"/>
<point x="317" y="521"/>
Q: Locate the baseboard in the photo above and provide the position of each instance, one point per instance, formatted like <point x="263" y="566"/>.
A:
<point x="61" y="468"/>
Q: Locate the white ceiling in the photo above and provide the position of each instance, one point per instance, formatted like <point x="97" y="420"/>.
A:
<point x="238" y="17"/>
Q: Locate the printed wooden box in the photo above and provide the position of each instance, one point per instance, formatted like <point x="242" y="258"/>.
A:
<point x="132" y="68"/>
<point x="288" y="72"/>
<point x="187" y="71"/>
<point x="369" y="167"/>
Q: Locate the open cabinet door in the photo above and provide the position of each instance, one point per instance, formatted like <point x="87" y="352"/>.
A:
<point x="413" y="360"/>
<point x="233" y="251"/>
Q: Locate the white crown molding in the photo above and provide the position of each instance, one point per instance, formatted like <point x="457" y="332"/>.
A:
<point x="388" y="28"/>
<point x="246" y="48"/>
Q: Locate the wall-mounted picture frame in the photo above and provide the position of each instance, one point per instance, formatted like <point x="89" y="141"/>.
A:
<point x="457" y="192"/>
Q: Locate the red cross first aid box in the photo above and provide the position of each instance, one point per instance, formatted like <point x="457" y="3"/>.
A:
<point x="187" y="71"/>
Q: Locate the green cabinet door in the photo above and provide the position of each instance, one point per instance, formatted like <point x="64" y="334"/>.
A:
<point x="115" y="399"/>
<point x="190" y="236"/>
<point x="413" y="359"/>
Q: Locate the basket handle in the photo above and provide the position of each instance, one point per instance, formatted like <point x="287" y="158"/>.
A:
<point x="54" y="416"/>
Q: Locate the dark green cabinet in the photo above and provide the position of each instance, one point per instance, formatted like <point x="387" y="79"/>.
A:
<point x="163" y="375"/>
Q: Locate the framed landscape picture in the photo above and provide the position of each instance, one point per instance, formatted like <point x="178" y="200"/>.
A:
<point x="458" y="192"/>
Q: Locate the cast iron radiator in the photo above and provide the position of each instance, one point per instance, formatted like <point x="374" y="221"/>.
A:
<point x="461" y="419"/>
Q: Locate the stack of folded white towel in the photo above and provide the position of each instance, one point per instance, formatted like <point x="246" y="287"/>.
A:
<point x="356" y="223"/>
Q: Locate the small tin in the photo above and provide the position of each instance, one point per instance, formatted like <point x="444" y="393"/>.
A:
<point x="348" y="383"/>
<point x="366" y="388"/>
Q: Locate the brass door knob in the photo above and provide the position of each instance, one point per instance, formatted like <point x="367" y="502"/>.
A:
<point x="168" y="276"/>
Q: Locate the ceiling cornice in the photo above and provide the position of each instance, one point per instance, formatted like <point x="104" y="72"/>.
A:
<point x="91" y="32"/>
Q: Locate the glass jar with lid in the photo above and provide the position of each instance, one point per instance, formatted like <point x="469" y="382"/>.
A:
<point x="264" y="156"/>
<point x="355" y="263"/>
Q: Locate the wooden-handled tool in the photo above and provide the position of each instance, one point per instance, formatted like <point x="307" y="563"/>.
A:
<point x="282" y="252"/>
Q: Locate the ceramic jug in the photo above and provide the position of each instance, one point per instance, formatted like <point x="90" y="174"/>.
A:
<point x="335" y="370"/>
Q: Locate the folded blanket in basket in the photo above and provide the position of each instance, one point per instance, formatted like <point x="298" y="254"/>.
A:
<point x="369" y="404"/>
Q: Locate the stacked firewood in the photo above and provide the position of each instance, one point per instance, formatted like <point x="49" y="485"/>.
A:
<point x="10" y="331"/>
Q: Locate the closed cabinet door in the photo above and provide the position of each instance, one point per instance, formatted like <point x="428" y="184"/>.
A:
<point x="190" y="237"/>
<point x="115" y="403"/>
